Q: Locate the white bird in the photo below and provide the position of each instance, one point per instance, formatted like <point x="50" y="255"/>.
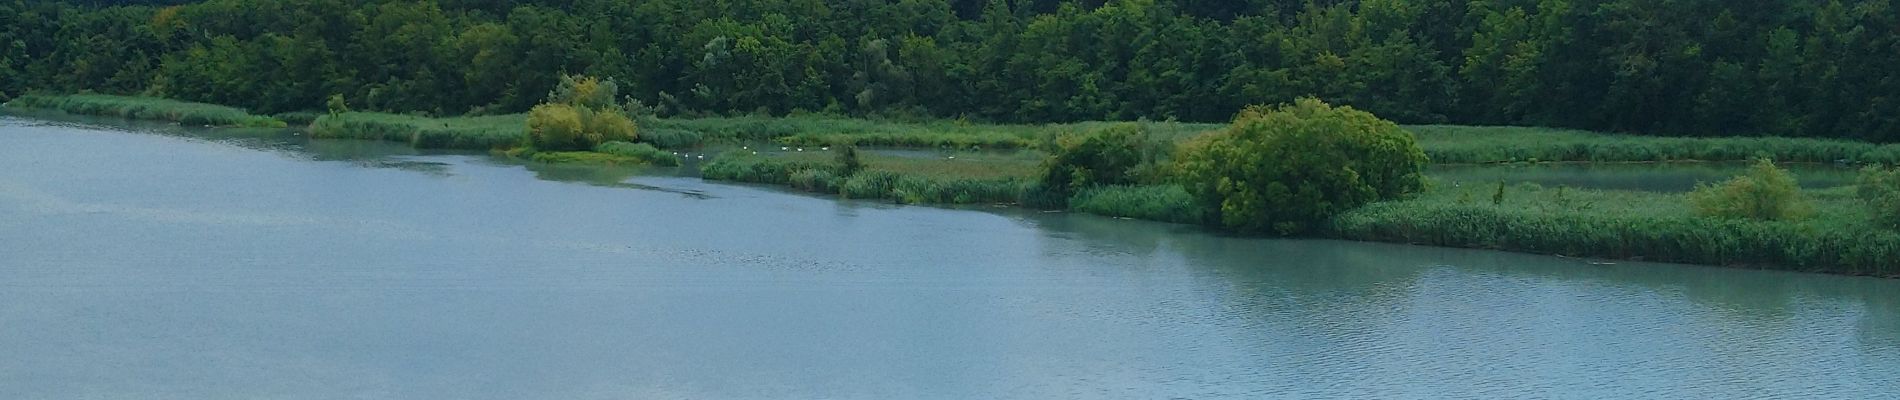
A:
<point x="801" y="149"/>
<point x="826" y="148"/>
<point x="784" y="148"/>
<point x="953" y="157"/>
<point x="702" y="156"/>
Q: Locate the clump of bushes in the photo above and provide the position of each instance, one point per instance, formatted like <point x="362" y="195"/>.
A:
<point x="1880" y="191"/>
<point x="1290" y="168"/>
<point x="580" y="113"/>
<point x="1765" y="192"/>
<point x="1099" y="157"/>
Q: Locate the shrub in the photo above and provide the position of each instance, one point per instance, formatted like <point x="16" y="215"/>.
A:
<point x="815" y="180"/>
<point x="869" y="185"/>
<point x="555" y="127"/>
<point x="848" y="162"/>
<point x="1099" y="157"/>
<point x="580" y="114"/>
<point x="1880" y="191"/>
<point x="1765" y="193"/>
<point x="604" y="126"/>
<point x="1289" y="168"/>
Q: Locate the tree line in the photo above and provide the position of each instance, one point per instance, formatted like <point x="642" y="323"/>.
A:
<point x="1685" y="67"/>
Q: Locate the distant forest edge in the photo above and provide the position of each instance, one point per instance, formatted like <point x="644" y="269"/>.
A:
<point x="1682" y="67"/>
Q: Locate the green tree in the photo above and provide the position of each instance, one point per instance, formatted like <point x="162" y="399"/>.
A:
<point x="1288" y="169"/>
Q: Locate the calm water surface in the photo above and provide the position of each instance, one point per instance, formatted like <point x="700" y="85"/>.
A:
<point x="158" y="263"/>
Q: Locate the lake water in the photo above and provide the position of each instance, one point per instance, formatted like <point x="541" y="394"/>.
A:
<point x="153" y="262"/>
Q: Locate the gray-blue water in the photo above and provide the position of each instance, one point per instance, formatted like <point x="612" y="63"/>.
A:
<point x="161" y="263"/>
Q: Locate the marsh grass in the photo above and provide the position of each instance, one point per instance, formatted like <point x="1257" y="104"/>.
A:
<point x="969" y="179"/>
<point x="470" y="133"/>
<point x="640" y="151"/>
<point x="1451" y="144"/>
<point x="822" y="130"/>
<point x="1658" y="227"/>
<point x="149" y="108"/>
<point x="1165" y="203"/>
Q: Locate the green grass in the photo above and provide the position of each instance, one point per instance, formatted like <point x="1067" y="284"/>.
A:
<point x="646" y="153"/>
<point x="969" y="179"/>
<point x="148" y="108"/>
<point x="820" y="130"/>
<point x="1165" y="203"/>
<point x="471" y="133"/>
<point x="1631" y="225"/>
<point x="1449" y="144"/>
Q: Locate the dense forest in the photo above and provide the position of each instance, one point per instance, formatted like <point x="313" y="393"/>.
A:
<point x="1688" y="67"/>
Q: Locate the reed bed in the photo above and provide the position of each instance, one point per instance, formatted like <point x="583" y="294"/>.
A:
<point x="1450" y="144"/>
<point x="149" y="108"/>
<point x="468" y="133"/>
<point x="1630" y="225"/>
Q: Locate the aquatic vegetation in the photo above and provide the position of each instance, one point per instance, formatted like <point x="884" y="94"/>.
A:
<point x="471" y="133"/>
<point x="1286" y="169"/>
<point x="640" y="151"/>
<point x="899" y="179"/>
<point x="1166" y="203"/>
<point x="1879" y="191"/>
<point x="1494" y="144"/>
<point x="1108" y="156"/>
<point x="1765" y="193"/>
<point x="149" y="108"/>
<point x="1660" y="227"/>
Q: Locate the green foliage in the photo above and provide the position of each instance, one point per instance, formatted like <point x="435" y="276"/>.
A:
<point x="1287" y="169"/>
<point x="1765" y="193"/>
<point x="470" y="133"/>
<point x="889" y="178"/>
<point x="1166" y="203"/>
<point x="848" y="162"/>
<point x="1782" y="67"/>
<point x="1879" y="190"/>
<point x="336" y="105"/>
<point x="186" y="113"/>
<point x="640" y="151"/>
<point x="1659" y="227"/>
<point x="1107" y="156"/>
<point x="580" y="114"/>
<point x="1477" y="144"/>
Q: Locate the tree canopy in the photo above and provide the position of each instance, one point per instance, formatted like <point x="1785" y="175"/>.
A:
<point x="1691" y="67"/>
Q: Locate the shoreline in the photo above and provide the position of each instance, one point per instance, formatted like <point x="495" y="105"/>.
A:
<point x="1440" y="217"/>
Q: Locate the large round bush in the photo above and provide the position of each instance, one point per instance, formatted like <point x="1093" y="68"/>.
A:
<point x="1287" y="169"/>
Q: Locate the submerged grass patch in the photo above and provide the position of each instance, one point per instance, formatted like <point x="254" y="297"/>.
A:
<point x="1165" y="203"/>
<point x="470" y="133"/>
<point x="1493" y="144"/>
<point x="1630" y="225"/>
<point x="149" y="108"/>
<point x="976" y="179"/>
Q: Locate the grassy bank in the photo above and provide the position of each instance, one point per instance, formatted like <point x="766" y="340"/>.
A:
<point x="1483" y="144"/>
<point x="470" y="133"/>
<point x="148" y="108"/>
<point x="968" y="179"/>
<point x="822" y="130"/>
<point x="1631" y="225"/>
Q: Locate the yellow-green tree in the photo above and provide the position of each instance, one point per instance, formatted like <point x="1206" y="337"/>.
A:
<point x="580" y="113"/>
